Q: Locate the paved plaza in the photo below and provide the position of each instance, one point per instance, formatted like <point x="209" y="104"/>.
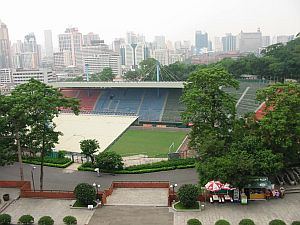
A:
<point x="139" y="197"/>
<point x="56" y="208"/>
<point x="262" y="212"/>
<point x="132" y="215"/>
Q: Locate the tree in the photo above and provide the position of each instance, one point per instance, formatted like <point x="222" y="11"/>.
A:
<point x="280" y="127"/>
<point x="132" y="75"/>
<point x="40" y="105"/>
<point x="85" y="193"/>
<point x="148" y="69"/>
<point x="89" y="147"/>
<point x="188" y="195"/>
<point x="208" y="107"/>
<point x="109" y="161"/>
<point x="107" y="74"/>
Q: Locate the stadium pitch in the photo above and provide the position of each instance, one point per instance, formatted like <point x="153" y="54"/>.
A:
<point x="150" y="142"/>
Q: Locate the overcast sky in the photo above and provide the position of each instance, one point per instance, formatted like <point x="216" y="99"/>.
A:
<point x="177" y="19"/>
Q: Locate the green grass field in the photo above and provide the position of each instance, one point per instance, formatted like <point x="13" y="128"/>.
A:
<point x="154" y="143"/>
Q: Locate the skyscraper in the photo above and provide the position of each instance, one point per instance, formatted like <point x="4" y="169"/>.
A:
<point x="71" y="41"/>
<point x="31" y="52"/>
<point x="48" y="43"/>
<point x="229" y="43"/>
<point x="91" y="39"/>
<point x="159" y="42"/>
<point x="5" y="60"/>
<point x="201" y="41"/>
<point x="266" y="41"/>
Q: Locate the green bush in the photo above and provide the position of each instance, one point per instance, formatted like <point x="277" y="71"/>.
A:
<point x="70" y="220"/>
<point x="26" y="220"/>
<point x="188" y="195"/>
<point x="193" y="222"/>
<point x="46" y="220"/>
<point x="277" y="222"/>
<point x="296" y="223"/>
<point x="52" y="162"/>
<point x="246" y="222"/>
<point x="5" y="219"/>
<point x="109" y="160"/>
<point x="222" y="222"/>
<point x="61" y="154"/>
<point x="88" y="165"/>
<point x="85" y="193"/>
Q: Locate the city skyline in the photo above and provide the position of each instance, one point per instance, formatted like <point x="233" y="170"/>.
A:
<point x="179" y="22"/>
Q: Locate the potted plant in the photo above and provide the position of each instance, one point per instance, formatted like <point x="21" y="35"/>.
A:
<point x="6" y="197"/>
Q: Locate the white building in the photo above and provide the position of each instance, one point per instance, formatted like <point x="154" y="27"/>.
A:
<point x="62" y="59"/>
<point x="161" y="55"/>
<point x="23" y="76"/>
<point x="96" y="63"/>
<point x="284" y="38"/>
<point x="91" y="39"/>
<point x="48" y="43"/>
<point x="5" y="76"/>
<point x="132" y="55"/>
<point x="159" y="42"/>
<point x="5" y="58"/>
<point x="71" y="40"/>
<point x="249" y="42"/>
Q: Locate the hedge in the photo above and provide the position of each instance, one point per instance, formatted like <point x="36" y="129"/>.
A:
<point x="277" y="222"/>
<point x="148" y="168"/>
<point x="52" y="162"/>
<point x="5" y="219"/>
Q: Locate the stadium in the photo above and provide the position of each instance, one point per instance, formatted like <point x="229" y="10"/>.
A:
<point x="135" y="118"/>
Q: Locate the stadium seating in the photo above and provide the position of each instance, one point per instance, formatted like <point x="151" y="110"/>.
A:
<point x="152" y="104"/>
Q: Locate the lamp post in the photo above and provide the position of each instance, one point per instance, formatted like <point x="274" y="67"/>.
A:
<point x="97" y="187"/>
<point x="32" y="169"/>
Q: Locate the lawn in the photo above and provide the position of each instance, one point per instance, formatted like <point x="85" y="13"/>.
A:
<point x="154" y="143"/>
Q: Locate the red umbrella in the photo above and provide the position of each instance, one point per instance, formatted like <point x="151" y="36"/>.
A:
<point x="214" y="185"/>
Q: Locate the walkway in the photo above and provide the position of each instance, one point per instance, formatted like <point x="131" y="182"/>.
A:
<point x="58" y="179"/>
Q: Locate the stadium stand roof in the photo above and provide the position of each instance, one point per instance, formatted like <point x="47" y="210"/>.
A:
<point x="119" y="84"/>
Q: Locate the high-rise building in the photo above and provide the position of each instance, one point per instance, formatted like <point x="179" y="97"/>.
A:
<point x="132" y="55"/>
<point x="71" y="40"/>
<point x="250" y="42"/>
<point x="23" y="76"/>
<point x="31" y="52"/>
<point x="91" y="39"/>
<point x="229" y="43"/>
<point x="48" y="43"/>
<point x="5" y="58"/>
<point x="218" y="45"/>
<point x="17" y="50"/>
<point x="62" y="59"/>
<point x="117" y="44"/>
<point x="265" y="41"/>
<point x="5" y="76"/>
<point x="160" y="42"/>
<point x="201" y="41"/>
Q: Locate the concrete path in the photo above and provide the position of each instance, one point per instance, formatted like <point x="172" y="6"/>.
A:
<point x="57" y="179"/>
<point x="139" y="197"/>
<point x="56" y="208"/>
<point x="261" y="212"/>
<point x="14" y="194"/>
<point x="132" y="215"/>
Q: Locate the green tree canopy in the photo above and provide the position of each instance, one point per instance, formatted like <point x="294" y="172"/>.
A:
<point x="89" y="147"/>
<point x="109" y="161"/>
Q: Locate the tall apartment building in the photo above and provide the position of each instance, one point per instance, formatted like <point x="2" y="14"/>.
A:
<point x="159" y="42"/>
<point x="5" y="58"/>
<point x="161" y="55"/>
<point x="48" y="43"/>
<point x="250" y="42"/>
<point x="62" y="59"/>
<point x="117" y="44"/>
<point x="71" y="41"/>
<point x="16" y="51"/>
<point x="265" y="41"/>
<point x="218" y="45"/>
<point x="284" y="38"/>
<point x="201" y="41"/>
<point x="5" y="76"/>
<point x="229" y="43"/>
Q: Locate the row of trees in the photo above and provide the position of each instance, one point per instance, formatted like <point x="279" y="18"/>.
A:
<point x="105" y="75"/>
<point x="231" y="149"/>
<point x="26" y="121"/>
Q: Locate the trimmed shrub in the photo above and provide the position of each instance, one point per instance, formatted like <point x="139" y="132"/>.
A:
<point x="188" y="195"/>
<point x="246" y="222"/>
<point x="85" y="193"/>
<point x="70" y="220"/>
<point x="46" y="220"/>
<point x="61" y="154"/>
<point x="222" y="222"/>
<point x="296" y="223"/>
<point x="88" y="165"/>
<point x="26" y="220"/>
<point x="109" y="160"/>
<point x="277" y="222"/>
<point x="193" y="222"/>
<point x="5" y="219"/>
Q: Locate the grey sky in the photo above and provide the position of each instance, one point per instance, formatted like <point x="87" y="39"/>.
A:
<point x="177" y="19"/>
